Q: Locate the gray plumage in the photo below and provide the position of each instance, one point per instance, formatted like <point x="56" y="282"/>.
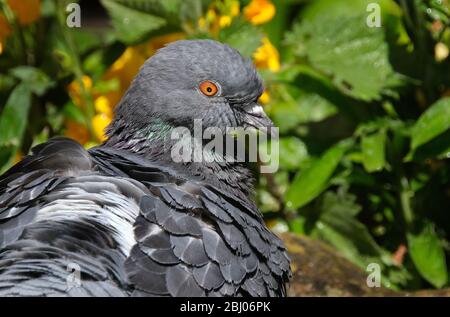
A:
<point x="132" y="220"/>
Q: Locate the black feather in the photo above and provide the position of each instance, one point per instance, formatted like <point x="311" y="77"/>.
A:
<point x="190" y="250"/>
<point x="181" y="283"/>
<point x="208" y="276"/>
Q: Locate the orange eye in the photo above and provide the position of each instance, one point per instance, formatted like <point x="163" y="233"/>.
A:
<point x="208" y="88"/>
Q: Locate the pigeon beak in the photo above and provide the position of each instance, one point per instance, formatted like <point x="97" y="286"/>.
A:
<point x="255" y="117"/>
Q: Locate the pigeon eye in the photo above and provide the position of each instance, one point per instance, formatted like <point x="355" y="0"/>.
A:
<point x="208" y="88"/>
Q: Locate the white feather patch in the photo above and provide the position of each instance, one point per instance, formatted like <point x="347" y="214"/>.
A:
<point x="257" y="110"/>
<point x="109" y="208"/>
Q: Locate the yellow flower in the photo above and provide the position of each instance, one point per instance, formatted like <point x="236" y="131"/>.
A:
<point x="235" y="8"/>
<point x="77" y="131"/>
<point x="27" y="11"/>
<point x="201" y="22"/>
<point x="224" y="21"/>
<point x="219" y="16"/>
<point x="128" y="64"/>
<point x="259" y="11"/>
<point x="211" y="21"/>
<point x="124" y="69"/>
<point x="211" y="15"/>
<point x="103" y="105"/>
<point x="87" y="83"/>
<point x="264" y="98"/>
<point x="441" y="52"/>
<point x="266" y="56"/>
<point x="99" y="123"/>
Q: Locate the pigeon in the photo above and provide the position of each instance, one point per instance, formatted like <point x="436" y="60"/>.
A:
<point x="125" y="218"/>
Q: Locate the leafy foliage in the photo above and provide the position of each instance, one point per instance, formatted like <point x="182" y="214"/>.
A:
<point x="368" y="198"/>
<point x="434" y="121"/>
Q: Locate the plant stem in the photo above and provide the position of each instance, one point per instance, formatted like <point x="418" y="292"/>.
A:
<point x="10" y="17"/>
<point x="408" y="19"/>
<point x="405" y="201"/>
<point x="88" y="106"/>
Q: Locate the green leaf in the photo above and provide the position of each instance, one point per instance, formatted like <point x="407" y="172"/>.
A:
<point x="243" y="36"/>
<point x="341" y="204"/>
<point x="55" y="117"/>
<point x="297" y="225"/>
<point x="434" y="121"/>
<point x="352" y="230"/>
<point x="6" y="82"/>
<point x="40" y="137"/>
<point x="292" y="152"/>
<point x="14" y="116"/>
<point x="428" y="255"/>
<point x="342" y="8"/>
<point x="174" y="12"/>
<point x="304" y="99"/>
<point x="106" y="86"/>
<point x="315" y="108"/>
<point x="191" y="10"/>
<point x="285" y="115"/>
<point x="373" y="151"/>
<point x="132" y="25"/>
<point x="344" y="244"/>
<point x="439" y="148"/>
<point x="85" y="40"/>
<point x="7" y="155"/>
<point x="48" y="8"/>
<point x="308" y="184"/>
<point x="337" y="224"/>
<point x="344" y="48"/>
<point x="71" y="111"/>
<point x="36" y="80"/>
<point x="96" y="63"/>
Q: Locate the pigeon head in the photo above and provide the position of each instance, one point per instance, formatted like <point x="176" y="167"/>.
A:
<point x="193" y="79"/>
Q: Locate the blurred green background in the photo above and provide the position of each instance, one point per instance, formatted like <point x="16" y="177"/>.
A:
<point x="363" y="111"/>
